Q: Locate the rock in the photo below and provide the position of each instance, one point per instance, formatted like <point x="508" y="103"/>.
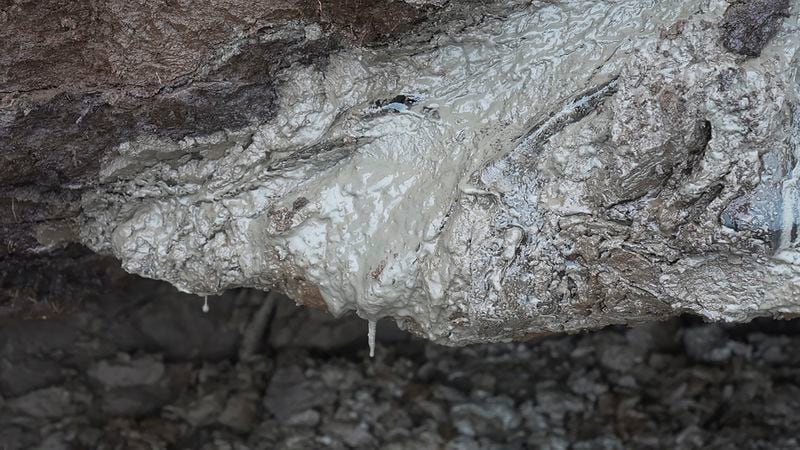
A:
<point x="131" y="387"/>
<point x="16" y="438"/>
<point x="303" y="442"/>
<point x="463" y="443"/>
<point x="135" y="401"/>
<point x="307" y="418"/>
<point x="587" y="384"/>
<point x="599" y="443"/>
<point x="128" y="372"/>
<point x="355" y="435"/>
<point x="439" y="177"/>
<point x="48" y="403"/>
<point x="177" y="326"/>
<point x="56" y="441"/>
<point x="483" y="381"/>
<point x="772" y="349"/>
<point x="28" y="374"/>
<point x="556" y="403"/>
<point x="19" y="339"/>
<point x="290" y="393"/>
<point x="206" y="409"/>
<point x="239" y="413"/>
<point x="709" y="343"/>
<point x="310" y="328"/>
<point x="619" y="358"/>
<point x="486" y="418"/>
<point x="656" y="336"/>
<point x="749" y="25"/>
<point x="313" y="329"/>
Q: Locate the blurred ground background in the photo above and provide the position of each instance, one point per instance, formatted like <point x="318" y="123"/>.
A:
<point x="138" y="365"/>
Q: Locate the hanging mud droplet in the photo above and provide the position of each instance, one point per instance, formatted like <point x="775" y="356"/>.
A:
<point x="205" y="304"/>
<point x="371" y="337"/>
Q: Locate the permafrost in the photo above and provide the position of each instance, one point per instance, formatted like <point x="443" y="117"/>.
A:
<point x="571" y="166"/>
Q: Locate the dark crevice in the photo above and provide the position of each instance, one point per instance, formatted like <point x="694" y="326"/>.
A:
<point x="698" y="153"/>
<point x="580" y="107"/>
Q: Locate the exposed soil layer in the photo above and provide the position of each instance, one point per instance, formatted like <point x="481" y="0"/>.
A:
<point x="47" y="287"/>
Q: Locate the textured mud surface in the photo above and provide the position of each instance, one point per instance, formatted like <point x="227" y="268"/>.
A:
<point x="477" y="171"/>
<point x="77" y="78"/>
<point x="542" y="171"/>
<point x="149" y="370"/>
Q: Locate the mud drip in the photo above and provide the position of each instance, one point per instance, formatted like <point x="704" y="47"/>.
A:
<point x="371" y="337"/>
<point x="790" y="211"/>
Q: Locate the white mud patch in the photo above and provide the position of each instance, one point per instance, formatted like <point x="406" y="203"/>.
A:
<point x="407" y="182"/>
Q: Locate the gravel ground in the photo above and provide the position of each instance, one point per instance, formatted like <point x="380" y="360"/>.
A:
<point x="149" y="370"/>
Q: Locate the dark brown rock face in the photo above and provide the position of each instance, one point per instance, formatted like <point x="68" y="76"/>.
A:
<point x="750" y="24"/>
<point x="79" y="77"/>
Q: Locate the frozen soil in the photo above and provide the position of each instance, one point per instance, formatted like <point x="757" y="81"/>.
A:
<point x="150" y="370"/>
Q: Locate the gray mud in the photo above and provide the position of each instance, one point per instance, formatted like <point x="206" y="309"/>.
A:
<point x="566" y="166"/>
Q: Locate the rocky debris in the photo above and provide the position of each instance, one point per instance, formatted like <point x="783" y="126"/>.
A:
<point x="47" y="403"/>
<point x="127" y="372"/>
<point x="675" y="384"/>
<point x="290" y="394"/>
